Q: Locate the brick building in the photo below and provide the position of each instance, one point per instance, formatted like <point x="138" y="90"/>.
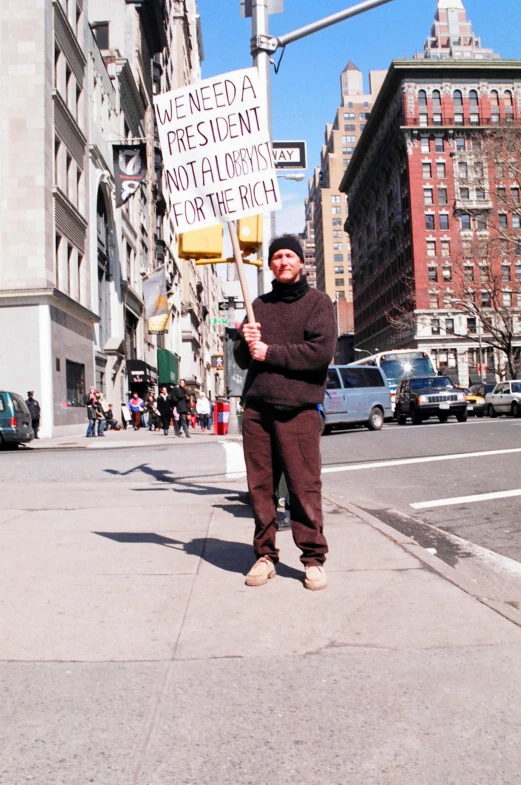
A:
<point x="426" y="213"/>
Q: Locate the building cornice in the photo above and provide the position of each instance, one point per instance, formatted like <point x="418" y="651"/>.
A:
<point x="48" y="296"/>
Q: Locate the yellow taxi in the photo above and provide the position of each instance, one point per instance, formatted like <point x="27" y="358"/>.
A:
<point x="476" y="404"/>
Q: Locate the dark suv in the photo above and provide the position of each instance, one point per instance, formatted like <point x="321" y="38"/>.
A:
<point x="421" y="397"/>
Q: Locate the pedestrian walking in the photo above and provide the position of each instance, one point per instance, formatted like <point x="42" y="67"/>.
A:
<point x="203" y="410"/>
<point x="92" y="414"/>
<point x="34" y="410"/>
<point x="165" y="408"/>
<point x="193" y="413"/>
<point x="101" y="408"/>
<point x="287" y="353"/>
<point x="152" y="413"/>
<point x="136" y="406"/>
<point x="181" y="401"/>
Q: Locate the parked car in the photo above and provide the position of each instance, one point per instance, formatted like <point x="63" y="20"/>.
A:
<point x="476" y="404"/>
<point x="15" y="420"/>
<point x="421" y="397"/>
<point x="505" y="398"/>
<point x="356" y="395"/>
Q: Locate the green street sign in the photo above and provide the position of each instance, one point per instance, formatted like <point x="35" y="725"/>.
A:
<point x="219" y="320"/>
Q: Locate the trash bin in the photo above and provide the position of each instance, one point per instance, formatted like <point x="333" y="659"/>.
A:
<point x="221" y="415"/>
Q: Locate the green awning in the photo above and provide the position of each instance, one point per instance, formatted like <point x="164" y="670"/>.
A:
<point x="168" y="367"/>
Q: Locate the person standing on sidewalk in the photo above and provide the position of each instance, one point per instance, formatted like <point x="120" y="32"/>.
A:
<point x="181" y="401"/>
<point x="203" y="410"/>
<point x="287" y="353"/>
<point x="164" y="407"/>
<point x="34" y="410"/>
<point x="136" y="406"/>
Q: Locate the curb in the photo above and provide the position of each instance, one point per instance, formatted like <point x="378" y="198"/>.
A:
<point x="432" y="562"/>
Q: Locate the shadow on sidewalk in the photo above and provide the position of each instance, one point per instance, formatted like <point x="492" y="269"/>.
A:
<point x="223" y="554"/>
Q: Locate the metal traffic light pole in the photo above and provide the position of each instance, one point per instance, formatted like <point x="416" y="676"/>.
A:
<point x="262" y="47"/>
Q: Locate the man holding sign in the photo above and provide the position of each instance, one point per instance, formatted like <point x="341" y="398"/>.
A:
<point x="287" y="352"/>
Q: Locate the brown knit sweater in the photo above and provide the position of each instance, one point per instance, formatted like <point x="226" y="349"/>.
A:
<point x="301" y="339"/>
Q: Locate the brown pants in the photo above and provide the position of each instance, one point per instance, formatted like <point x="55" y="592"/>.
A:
<point x="288" y="441"/>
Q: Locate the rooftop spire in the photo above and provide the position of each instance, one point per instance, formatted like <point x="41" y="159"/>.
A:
<point x="452" y="36"/>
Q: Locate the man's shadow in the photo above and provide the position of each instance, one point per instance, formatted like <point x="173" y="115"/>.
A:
<point x="226" y="555"/>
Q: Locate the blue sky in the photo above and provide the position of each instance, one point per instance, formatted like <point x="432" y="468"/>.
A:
<point x="306" y="91"/>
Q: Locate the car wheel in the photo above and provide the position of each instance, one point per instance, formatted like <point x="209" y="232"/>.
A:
<point x="376" y="419"/>
<point x="491" y="411"/>
<point x="416" y="417"/>
<point x="480" y="414"/>
<point x="515" y="409"/>
<point x="462" y="417"/>
<point x="402" y="419"/>
<point x="443" y="417"/>
<point x="326" y="429"/>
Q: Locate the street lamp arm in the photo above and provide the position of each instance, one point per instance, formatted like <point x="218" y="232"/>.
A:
<point x="266" y="43"/>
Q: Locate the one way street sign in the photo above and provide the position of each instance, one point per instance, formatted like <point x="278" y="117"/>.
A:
<point x="290" y="155"/>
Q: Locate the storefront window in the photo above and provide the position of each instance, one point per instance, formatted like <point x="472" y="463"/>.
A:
<point x="75" y="373"/>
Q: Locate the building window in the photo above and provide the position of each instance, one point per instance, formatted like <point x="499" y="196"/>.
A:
<point x="79" y="292"/>
<point x="433" y="274"/>
<point x="480" y="194"/>
<point x="339" y="282"/>
<point x="503" y="221"/>
<point x="507" y="299"/>
<point x="515" y="194"/>
<point x="425" y="144"/>
<point x="485" y="299"/>
<point x="75" y="374"/>
<point x="460" y="144"/>
<point x="426" y="171"/>
<point x="434" y="300"/>
<point x="474" y="107"/>
<point x="465" y="222"/>
<point x="428" y="196"/>
<point x="469" y="273"/>
<point x="505" y="272"/>
<point x="516" y="222"/>
<point x="336" y="210"/>
<point x="464" y="194"/>
<point x="447" y="274"/>
<point x="335" y="199"/>
<point x="444" y="221"/>
<point x="429" y="222"/>
<point x="339" y="269"/>
<point x="422" y="100"/>
<point x="431" y="247"/>
<point x="439" y="144"/>
<point x="504" y="247"/>
<point x="101" y="34"/>
<point x="57" y="256"/>
<point x="435" y="326"/>
<point x="471" y="325"/>
<point x="483" y="273"/>
<point x="479" y="170"/>
<point x="518" y="272"/>
<point x="337" y="222"/>
<point x="449" y="326"/>
<point x="349" y="116"/>
<point x="337" y="257"/>
<point x="340" y="295"/>
<point x="349" y="127"/>
<point x="442" y="196"/>
<point x="441" y="172"/>
<point x="481" y="222"/>
<point x="463" y="170"/>
<point x="337" y="247"/>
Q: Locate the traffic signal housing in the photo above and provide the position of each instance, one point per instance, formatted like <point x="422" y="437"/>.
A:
<point x="249" y="232"/>
<point x="202" y="243"/>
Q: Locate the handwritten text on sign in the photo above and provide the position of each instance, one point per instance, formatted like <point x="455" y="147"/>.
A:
<point x="218" y="161"/>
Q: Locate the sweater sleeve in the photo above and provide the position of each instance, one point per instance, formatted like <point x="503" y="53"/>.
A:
<point x="241" y="351"/>
<point x="317" y="350"/>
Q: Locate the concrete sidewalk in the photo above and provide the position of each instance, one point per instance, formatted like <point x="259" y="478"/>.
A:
<point x="132" y="653"/>
<point x="124" y="438"/>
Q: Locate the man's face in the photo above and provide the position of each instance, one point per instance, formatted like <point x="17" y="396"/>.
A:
<point x="163" y="390"/>
<point x="182" y="383"/>
<point x="286" y="266"/>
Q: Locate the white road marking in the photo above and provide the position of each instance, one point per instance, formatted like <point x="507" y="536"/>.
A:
<point x="408" y="461"/>
<point x="235" y="466"/>
<point x="478" y="497"/>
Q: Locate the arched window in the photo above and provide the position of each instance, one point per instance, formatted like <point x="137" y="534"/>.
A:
<point x="422" y="99"/>
<point x="474" y="107"/>
<point x="436" y="107"/>
<point x="494" y="98"/>
<point x="494" y="107"/>
<point x="509" y="107"/>
<point x="458" y="107"/>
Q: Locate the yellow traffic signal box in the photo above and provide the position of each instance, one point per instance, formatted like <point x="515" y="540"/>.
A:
<point x="249" y="231"/>
<point x="202" y="243"/>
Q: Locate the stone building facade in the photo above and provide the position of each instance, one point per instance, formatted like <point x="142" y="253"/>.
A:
<point x="426" y="212"/>
<point x="78" y="77"/>
<point x="332" y="250"/>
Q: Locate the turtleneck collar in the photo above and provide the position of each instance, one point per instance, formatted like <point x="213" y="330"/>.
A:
<point x="290" y="292"/>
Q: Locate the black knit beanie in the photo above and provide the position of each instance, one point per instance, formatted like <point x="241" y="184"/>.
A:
<point x="286" y="241"/>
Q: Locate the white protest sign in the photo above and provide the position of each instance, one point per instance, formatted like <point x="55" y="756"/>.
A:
<point x="217" y="155"/>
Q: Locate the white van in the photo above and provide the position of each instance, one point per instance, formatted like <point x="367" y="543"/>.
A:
<point x="356" y="395"/>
